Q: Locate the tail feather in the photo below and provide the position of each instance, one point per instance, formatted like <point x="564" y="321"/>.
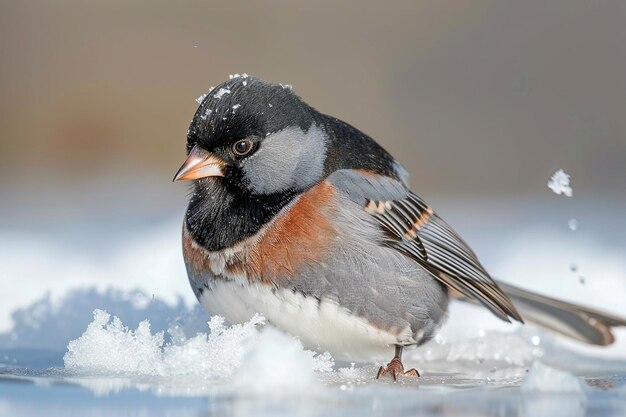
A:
<point x="578" y="322"/>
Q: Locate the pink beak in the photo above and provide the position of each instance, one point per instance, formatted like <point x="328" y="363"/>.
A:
<point x="200" y="164"/>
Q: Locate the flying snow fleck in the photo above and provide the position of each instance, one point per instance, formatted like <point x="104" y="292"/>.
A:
<point x="559" y="183"/>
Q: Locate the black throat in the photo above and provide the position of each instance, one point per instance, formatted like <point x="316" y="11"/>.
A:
<point x="219" y="216"/>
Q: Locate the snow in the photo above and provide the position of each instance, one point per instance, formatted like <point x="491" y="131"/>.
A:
<point x="146" y="259"/>
<point x="112" y="347"/>
<point x="109" y="347"/>
<point x="236" y="106"/>
<point x="49" y="323"/>
<point x="546" y="379"/>
<point x="206" y="114"/>
<point x="278" y="361"/>
<point x="221" y="92"/>
<point x="200" y="99"/>
<point x="559" y="183"/>
<point x="279" y="365"/>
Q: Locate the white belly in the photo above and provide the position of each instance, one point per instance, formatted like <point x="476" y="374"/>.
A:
<point x="320" y="326"/>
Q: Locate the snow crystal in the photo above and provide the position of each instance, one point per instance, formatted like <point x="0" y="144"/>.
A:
<point x="546" y="379"/>
<point x="277" y="361"/>
<point x="559" y="183"/>
<point x="236" y="106"/>
<point x="572" y="224"/>
<point x="245" y="83"/>
<point x="286" y="86"/>
<point x="231" y="76"/>
<point x="107" y="346"/>
<point x="200" y="99"/>
<point x="221" y="92"/>
<point x="113" y="347"/>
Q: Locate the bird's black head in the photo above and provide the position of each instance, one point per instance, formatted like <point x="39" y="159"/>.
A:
<point x="252" y="147"/>
<point x="256" y="138"/>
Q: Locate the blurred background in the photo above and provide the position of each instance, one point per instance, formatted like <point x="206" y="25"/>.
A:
<point x="482" y="101"/>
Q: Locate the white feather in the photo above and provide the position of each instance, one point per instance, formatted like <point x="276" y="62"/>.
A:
<point x="323" y="326"/>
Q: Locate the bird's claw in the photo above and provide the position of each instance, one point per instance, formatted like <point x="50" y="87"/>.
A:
<point x="395" y="369"/>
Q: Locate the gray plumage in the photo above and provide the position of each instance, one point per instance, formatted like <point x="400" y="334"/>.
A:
<point x="381" y="264"/>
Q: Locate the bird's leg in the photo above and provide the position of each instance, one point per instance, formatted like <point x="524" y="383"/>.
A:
<point x="395" y="367"/>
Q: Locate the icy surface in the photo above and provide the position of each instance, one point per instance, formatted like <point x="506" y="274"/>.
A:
<point x="559" y="183"/>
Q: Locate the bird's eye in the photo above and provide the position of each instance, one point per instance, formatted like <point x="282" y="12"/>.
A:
<point x="243" y="147"/>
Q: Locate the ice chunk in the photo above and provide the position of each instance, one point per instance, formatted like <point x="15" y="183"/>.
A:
<point x="559" y="183"/>
<point x="221" y="92"/>
<point x="545" y="379"/>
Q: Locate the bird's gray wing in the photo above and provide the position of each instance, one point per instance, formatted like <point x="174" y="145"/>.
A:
<point x="411" y="227"/>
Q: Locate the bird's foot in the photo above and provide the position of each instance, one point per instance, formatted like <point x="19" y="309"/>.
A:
<point x="395" y="369"/>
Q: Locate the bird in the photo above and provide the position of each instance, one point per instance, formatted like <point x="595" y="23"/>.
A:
<point x="303" y="218"/>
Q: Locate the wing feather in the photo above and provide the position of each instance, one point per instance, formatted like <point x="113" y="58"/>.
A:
<point x="414" y="229"/>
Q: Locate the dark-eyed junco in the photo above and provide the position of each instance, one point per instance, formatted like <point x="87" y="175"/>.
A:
<point x="303" y="218"/>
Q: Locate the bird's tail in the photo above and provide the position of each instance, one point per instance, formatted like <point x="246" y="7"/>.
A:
<point x="581" y="323"/>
